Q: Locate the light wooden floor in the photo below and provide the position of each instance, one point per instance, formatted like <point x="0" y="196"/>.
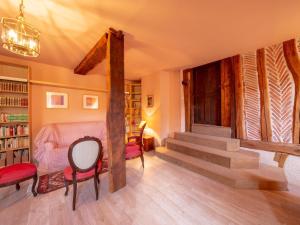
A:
<point x="163" y="194"/>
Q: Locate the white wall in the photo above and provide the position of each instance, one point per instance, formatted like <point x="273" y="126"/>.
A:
<point x="165" y="116"/>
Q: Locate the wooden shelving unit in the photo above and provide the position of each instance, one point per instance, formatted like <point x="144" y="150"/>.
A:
<point x="15" y="121"/>
<point x="133" y="106"/>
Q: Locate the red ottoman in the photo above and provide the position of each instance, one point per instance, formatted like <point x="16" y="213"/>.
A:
<point x="18" y="173"/>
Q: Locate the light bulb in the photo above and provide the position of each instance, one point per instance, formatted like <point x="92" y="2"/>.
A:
<point x="13" y="35"/>
<point x="32" y="44"/>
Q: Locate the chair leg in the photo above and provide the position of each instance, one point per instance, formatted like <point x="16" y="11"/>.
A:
<point x="142" y="158"/>
<point x="74" y="192"/>
<point x="35" y="178"/>
<point x="96" y="180"/>
<point x="17" y="186"/>
<point x="67" y="187"/>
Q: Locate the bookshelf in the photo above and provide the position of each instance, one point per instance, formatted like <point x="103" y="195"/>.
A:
<point x="133" y="106"/>
<point x="15" y="123"/>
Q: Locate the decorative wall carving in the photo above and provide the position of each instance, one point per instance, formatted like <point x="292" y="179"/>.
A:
<point x="251" y="97"/>
<point x="281" y="93"/>
<point x="280" y="87"/>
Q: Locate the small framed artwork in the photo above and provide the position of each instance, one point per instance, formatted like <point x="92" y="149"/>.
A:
<point x="56" y="100"/>
<point x="90" y="102"/>
<point x="150" y="101"/>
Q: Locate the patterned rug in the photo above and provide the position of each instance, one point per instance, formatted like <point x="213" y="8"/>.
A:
<point x="53" y="181"/>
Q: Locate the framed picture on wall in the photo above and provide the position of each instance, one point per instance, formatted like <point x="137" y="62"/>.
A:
<point x="90" y="102"/>
<point x="150" y="101"/>
<point x="57" y="100"/>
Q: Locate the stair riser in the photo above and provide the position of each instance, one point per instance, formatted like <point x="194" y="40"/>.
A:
<point x="216" y="159"/>
<point x="199" y="170"/>
<point x="229" y="145"/>
<point x="256" y="185"/>
<point x="213" y="131"/>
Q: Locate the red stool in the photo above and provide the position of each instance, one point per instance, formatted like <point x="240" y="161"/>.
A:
<point x="18" y="173"/>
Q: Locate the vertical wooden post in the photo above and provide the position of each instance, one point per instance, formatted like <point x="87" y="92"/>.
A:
<point x="266" y="132"/>
<point x="187" y="92"/>
<point x="115" y="110"/>
<point x="239" y="95"/>
<point x="293" y="62"/>
<point x="226" y="92"/>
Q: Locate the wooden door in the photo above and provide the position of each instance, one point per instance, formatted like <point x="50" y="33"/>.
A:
<point x="207" y="94"/>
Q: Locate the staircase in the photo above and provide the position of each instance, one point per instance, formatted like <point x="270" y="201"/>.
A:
<point x="209" y="151"/>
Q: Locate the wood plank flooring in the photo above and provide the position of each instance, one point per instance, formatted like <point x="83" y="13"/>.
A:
<point x="161" y="195"/>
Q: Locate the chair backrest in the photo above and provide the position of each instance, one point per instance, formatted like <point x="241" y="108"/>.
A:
<point x="142" y="128"/>
<point x="85" y="153"/>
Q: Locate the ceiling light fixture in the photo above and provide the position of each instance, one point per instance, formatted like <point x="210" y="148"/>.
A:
<point x="19" y="37"/>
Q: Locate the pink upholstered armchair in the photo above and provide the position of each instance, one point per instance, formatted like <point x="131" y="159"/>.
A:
<point x="134" y="147"/>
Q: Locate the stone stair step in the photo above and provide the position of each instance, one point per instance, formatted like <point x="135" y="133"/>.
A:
<point x="238" y="159"/>
<point x="222" y="143"/>
<point x="211" y="130"/>
<point x="263" y="178"/>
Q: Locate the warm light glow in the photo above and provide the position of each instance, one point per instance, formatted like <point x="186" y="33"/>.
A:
<point x="19" y="37"/>
<point x="13" y="35"/>
<point x="142" y="123"/>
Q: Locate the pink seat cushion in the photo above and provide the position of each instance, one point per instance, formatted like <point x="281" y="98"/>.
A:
<point x="132" y="151"/>
<point x="131" y="143"/>
<point x="81" y="176"/>
<point x="17" y="172"/>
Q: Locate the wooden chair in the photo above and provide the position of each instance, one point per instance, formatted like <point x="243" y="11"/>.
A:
<point x="85" y="158"/>
<point x="134" y="147"/>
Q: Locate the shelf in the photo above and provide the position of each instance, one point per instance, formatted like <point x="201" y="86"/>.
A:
<point x="133" y="104"/>
<point x="15" y="136"/>
<point x="13" y="92"/>
<point x="15" y="89"/>
<point x="23" y="80"/>
<point x="13" y="149"/>
<point x="14" y="122"/>
<point x="7" y="106"/>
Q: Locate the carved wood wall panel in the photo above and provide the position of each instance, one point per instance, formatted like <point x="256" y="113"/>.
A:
<point x="281" y="92"/>
<point x="251" y="97"/>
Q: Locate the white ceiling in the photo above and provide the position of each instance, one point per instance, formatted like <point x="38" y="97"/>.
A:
<point x="160" y="34"/>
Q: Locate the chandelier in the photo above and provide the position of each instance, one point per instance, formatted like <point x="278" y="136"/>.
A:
<point x="20" y="37"/>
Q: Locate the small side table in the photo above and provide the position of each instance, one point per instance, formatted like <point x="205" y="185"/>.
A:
<point x="148" y="142"/>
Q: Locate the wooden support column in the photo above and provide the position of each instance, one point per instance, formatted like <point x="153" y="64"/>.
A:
<point x="293" y="62"/>
<point x="239" y="95"/>
<point x="266" y="132"/>
<point x="187" y="92"/>
<point x="115" y="110"/>
<point x="227" y="93"/>
<point x="232" y="97"/>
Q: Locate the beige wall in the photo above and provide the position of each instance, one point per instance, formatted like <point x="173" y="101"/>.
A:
<point x="75" y="112"/>
<point x="165" y="116"/>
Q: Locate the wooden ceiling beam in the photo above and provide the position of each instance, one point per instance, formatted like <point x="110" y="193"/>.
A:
<point x="95" y="56"/>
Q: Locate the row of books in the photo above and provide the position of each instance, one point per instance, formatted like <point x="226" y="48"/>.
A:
<point x="5" y="117"/>
<point x="136" y="104"/>
<point x="6" y="86"/>
<point x="13" y="101"/>
<point x="13" y="143"/>
<point x="17" y="156"/>
<point x="16" y="130"/>
<point x="136" y="89"/>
